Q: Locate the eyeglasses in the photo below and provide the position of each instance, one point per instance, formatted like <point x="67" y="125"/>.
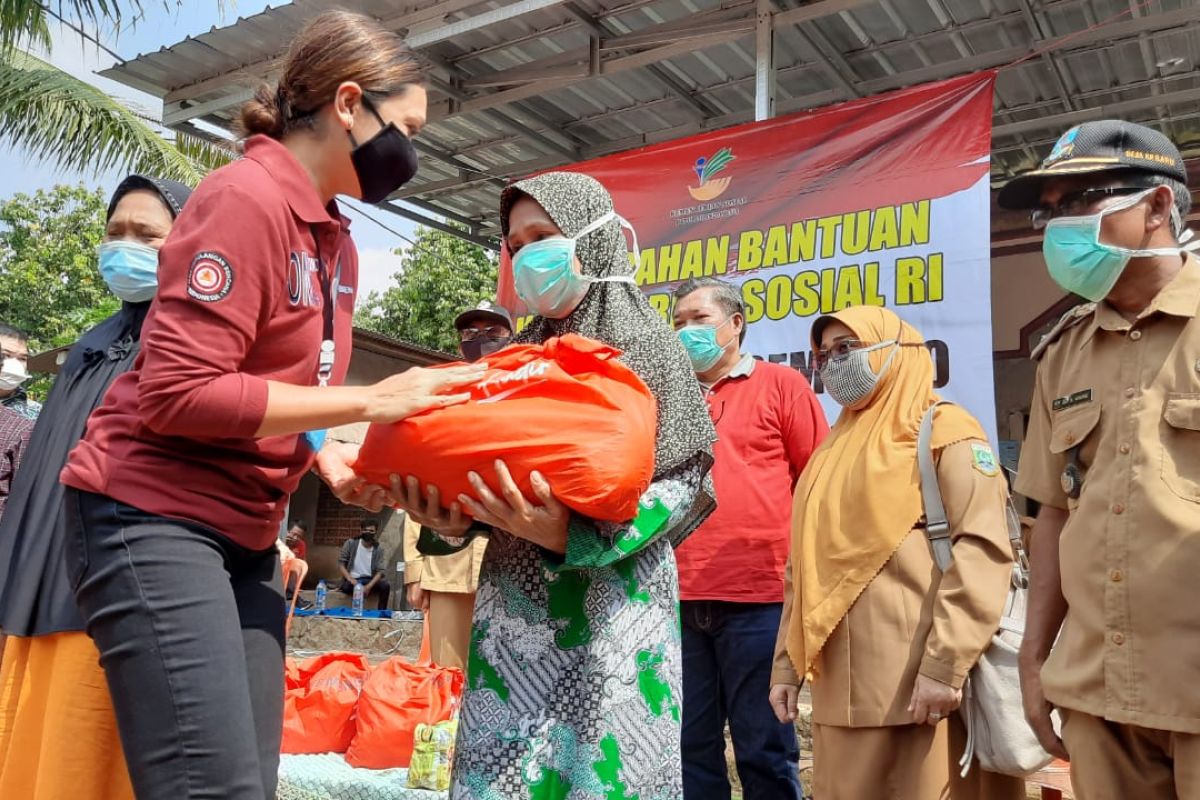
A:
<point x="838" y="352"/>
<point x="1076" y="204"/>
<point x="845" y="347"/>
<point x="490" y="332"/>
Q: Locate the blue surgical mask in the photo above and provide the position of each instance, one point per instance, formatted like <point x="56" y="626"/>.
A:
<point x="1080" y="263"/>
<point x="700" y="341"/>
<point x="130" y="269"/>
<point x="544" y="277"/>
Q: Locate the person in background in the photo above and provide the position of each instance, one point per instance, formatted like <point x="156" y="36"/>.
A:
<point x="361" y="562"/>
<point x="887" y="639"/>
<point x="14" y="371"/>
<point x="444" y="586"/>
<point x="179" y="485"/>
<point x="1112" y="454"/>
<point x="768" y="423"/>
<point x="58" y="738"/>
<point x="14" y="438"/>
<point x="574" y="675"/>
<point x="295" y="541"/>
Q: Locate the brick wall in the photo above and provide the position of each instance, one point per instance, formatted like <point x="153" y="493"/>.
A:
<point x="336" y="521"/>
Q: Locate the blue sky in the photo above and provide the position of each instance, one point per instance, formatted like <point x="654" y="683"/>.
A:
<point x="160" y="27"/>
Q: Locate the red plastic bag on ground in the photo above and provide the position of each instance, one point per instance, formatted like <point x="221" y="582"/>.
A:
<point x="566" y="408"/>
<point x="319" y="702"/>
<point x="396" y="698"/>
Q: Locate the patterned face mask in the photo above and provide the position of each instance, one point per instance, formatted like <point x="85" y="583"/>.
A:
<point x="850" y="379"/>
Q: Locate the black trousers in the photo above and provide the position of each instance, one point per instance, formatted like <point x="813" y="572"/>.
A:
<point x="382" y="590"/>
<point x="190" y="628"/>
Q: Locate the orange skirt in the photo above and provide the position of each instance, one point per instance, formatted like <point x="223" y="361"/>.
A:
<point x="58" y="734"/>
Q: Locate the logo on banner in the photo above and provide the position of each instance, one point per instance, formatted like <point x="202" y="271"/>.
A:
<point x="707" y="168"/>
<point x="301" y="268"/>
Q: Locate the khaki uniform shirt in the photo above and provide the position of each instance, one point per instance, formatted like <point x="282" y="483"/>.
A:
<point x="912" y="619"/>
<point x="1128" y="395"/>
<point x="458" y="572"/>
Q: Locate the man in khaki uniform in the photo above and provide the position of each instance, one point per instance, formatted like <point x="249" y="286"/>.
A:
<point x="444" y="586"/>
<point x="1113" y="456"/>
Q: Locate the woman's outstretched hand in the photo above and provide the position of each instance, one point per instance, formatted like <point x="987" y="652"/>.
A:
<point x="419" y="389"/>
<point x="427" y="510"/>
<point x="543" y="522"/>
<point x="333" y="465"/>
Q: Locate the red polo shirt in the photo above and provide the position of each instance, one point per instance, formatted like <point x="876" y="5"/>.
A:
<point x="768" y="423"/>
<point x="239" y="303"/>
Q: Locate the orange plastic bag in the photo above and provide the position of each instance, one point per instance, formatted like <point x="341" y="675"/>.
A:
<point x="566" y="408"/>
<point x="319" y="702"/>
<point x="397" y="698"/>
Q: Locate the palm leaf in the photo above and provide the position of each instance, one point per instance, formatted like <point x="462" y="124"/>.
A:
<point x="718" y="162"/>
<point x="23" y="22"/>
<point x="26" y="22"/>
<point x="73" y="125"/>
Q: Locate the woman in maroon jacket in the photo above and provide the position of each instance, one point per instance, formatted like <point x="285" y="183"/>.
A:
<point x="177" y="490"/>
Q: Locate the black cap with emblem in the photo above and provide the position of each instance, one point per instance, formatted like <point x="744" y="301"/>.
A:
<point x="484" y="310"/>
<point x="1104" y="146"/>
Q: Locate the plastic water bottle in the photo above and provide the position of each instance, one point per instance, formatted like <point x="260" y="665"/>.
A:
<point x="322" y="591"/>
<point x="358" y="599"/>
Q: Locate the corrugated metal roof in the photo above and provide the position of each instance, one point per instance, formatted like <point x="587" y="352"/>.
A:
<point x="520" y="92"/>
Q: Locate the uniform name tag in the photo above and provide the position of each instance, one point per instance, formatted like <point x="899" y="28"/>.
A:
<point x="1072" y="400"/>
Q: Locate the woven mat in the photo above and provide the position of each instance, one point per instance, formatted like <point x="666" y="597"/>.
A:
<point x="328" y="777"/>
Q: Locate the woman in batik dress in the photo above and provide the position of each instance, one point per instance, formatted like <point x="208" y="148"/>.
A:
<point x="574" y="680"/>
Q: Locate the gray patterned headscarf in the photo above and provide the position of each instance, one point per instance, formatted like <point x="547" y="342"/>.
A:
<point x="618" y="314"/>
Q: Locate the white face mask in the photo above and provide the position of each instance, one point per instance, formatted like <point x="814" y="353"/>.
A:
<point x="12" y="374"/>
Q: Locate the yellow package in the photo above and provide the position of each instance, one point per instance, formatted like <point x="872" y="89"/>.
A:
<point x="433" y="755"/>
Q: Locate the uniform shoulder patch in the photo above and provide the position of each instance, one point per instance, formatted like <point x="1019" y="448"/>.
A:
<point x="983" y="459"/>
<point x="1068" y="320"/>
<point x="210" y="278"/>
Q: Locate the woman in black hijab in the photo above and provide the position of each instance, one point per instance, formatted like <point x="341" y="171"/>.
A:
<point x="60" y="731"/>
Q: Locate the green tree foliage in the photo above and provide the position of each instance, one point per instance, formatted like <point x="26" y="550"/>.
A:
<point x="439" y="276"/>
<point x="49" y="283"/>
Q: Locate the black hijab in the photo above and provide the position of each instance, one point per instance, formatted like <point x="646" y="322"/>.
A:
<point x="618" y="314"/>
<point x="35" y="592"/>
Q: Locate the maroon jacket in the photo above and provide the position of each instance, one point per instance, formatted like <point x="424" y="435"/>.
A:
<point x="239" y="304"/>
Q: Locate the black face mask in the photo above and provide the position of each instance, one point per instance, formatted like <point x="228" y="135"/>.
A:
<point x="383" y="163"/>
<point x="368" y="539"/>
<point x="478" y="348"/>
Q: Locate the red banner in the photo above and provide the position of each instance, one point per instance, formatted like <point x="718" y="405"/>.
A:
<point x="885" y="150"/>
<point x="883" y="200"/>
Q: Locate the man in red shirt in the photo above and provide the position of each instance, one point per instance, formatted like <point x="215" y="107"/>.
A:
<point x="731" y="569"/>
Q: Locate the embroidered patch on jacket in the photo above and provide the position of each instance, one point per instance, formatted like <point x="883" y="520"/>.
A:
<point x="984" y="460"/>
<point x="210" y="278"/>
<point x="1060" y="403"/>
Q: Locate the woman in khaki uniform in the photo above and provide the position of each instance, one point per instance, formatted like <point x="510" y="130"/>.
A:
<point x="444" y="588"/>
<point x="885" y="639"/>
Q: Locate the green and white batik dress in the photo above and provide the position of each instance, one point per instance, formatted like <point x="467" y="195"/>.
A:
<point x="574" y="683"/>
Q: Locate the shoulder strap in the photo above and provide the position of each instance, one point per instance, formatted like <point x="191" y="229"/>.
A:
<point x="937" y="528"/>
<point x="1068" y="320"/>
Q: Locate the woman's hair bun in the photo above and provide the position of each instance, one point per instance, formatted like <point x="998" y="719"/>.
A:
<point x="262" y="114"/>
